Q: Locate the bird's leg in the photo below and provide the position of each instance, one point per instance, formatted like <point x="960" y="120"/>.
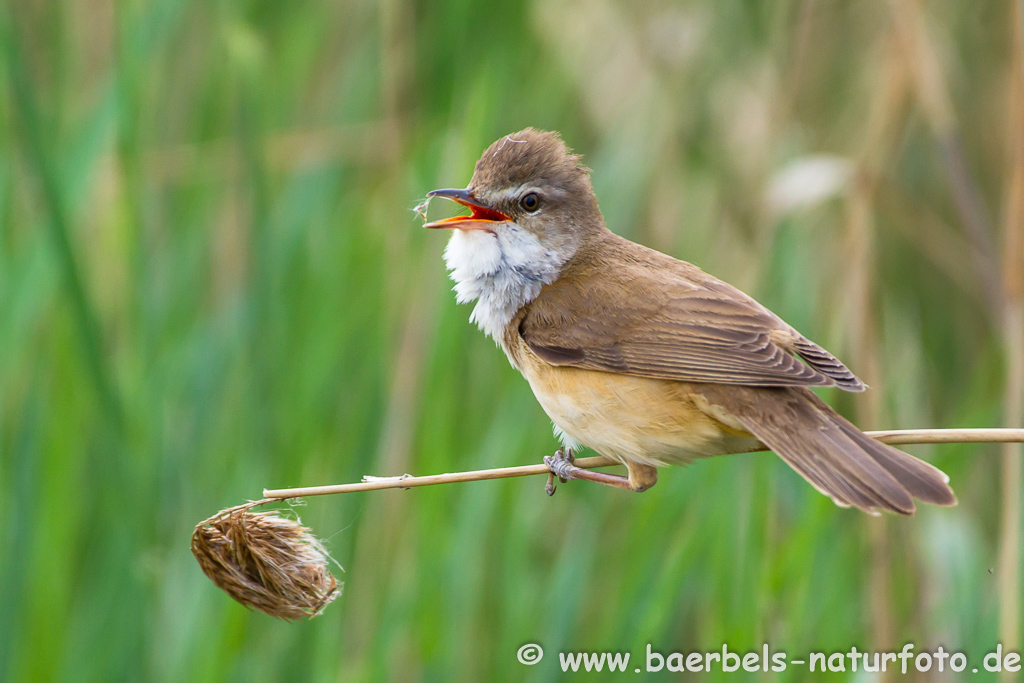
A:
<point x="641" y="477"/>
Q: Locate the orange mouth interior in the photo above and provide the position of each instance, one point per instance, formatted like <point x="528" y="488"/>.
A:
<point x="478" y="214"/>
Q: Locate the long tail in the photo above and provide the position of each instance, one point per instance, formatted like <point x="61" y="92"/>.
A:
<point x="831" y="453"/>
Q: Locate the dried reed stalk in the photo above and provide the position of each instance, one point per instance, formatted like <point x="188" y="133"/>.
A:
<point x="1013" y="342"/>
<point x="893" y="437"/>
<point x="277" y="566"/>
<point x="883" y="124"/>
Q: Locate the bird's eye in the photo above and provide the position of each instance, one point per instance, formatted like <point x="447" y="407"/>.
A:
<point x="530" y="201"/>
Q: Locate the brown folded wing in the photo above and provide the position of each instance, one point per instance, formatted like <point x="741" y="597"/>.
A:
<point x="650" y="315"/>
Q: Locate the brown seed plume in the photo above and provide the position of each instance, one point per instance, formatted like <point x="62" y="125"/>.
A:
<point x="265" y="561"/>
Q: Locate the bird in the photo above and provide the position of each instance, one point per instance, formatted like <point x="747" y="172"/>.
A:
<point x="645" y="358"/>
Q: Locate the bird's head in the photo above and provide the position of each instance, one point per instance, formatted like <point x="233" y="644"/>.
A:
<point x="527" y="184"/>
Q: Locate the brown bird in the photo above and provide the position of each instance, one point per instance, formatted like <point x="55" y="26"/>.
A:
<point x="644" y="358"/>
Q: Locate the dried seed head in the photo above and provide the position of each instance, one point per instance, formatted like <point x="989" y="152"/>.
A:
<point x="421" y="208"/>
<point x="265" y="561"/>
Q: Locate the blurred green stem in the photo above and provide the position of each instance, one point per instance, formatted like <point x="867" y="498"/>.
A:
<point x="1013" y="343"/>
<point x="39" y="157"/>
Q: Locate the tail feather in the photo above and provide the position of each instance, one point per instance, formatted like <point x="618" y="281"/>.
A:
<point x="831" y="453"/>
<point x="924" y="481"/>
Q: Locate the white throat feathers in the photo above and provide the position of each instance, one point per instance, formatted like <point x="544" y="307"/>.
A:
<point x="502" y="271"/>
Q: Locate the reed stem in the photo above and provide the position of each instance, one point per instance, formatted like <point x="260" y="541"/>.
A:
<point x="892" y="437"/>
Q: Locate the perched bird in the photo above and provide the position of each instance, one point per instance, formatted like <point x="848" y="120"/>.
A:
<point x="644" y="358"/>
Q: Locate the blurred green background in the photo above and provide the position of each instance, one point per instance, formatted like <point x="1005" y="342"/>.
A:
<point x="211" y="282"/>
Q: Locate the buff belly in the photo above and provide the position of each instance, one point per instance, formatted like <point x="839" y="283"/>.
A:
<point x="649" y="421"/>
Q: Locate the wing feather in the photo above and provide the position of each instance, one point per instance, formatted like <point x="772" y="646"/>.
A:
<point x="650" y="315"/>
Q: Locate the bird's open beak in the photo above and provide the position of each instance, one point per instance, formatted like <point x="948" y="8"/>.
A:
<point x="481" y="218"/>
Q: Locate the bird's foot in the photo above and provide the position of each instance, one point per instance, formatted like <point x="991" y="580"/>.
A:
<point x="562" y="465"/>
<point x="559" y="465"/>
